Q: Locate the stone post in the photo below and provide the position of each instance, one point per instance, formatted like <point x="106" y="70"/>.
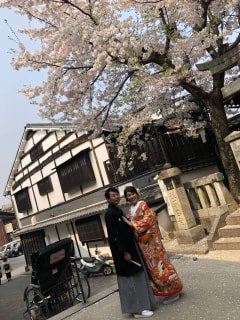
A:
<point x="234" y="140"/>
<point x="174" y="194"/>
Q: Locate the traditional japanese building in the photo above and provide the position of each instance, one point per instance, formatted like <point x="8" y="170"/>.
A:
<point x="59" y="176"/>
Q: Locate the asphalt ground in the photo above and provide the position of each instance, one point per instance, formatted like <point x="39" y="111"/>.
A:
<point x="211" y="292"/>
<point x="12" y="305"/>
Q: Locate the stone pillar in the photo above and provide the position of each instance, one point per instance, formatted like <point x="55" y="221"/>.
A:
<point x="175" y="196"/>
<point x="234" y="140"/>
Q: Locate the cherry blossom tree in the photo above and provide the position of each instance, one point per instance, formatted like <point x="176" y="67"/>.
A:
<point x="125" y="61"/>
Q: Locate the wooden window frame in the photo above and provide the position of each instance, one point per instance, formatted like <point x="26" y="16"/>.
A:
<point x="90" y="229"/>
<point x="23" y="204"/>
<point x="76" y="171"/>
<point x="45" y="186"/>
<point x="32" y="242"/>
<point x="36" y="151"/>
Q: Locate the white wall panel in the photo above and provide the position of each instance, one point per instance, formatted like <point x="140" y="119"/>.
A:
<point x="45" y="156"/>
<point x="48" y="169"/>
<point x="63" y="230"/>
<point x="68" y="140"/>
<point x="50" y="140"/>
<point x="38" y="135"/>
<point x="56" y="196"/>
<point x="50" y="235"/>
<point x="28" y="145"/>
<point x="26" y="160"/>
<point x="33" y="165"/>
<point x="18" y="176"/>
<point x="60" y="134"/>
<point x="36" y="177"/>
<point x="66" y="156"/>
<point x="81" y="147"/>
<point x="42" y="201"/>
<point x="102" y="155"/>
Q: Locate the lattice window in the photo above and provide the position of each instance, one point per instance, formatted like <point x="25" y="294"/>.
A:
<point x="45" y="186"/>
<point x="31" y="243"/>
<point x="76" y="171"/>
<point x="36" y="152"/>
<point x="90" y="229"/>
<point x="22" y="200"/>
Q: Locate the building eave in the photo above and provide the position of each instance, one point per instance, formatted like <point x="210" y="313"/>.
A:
<point x="21" y="148"/>
<point x="82" y="213"/>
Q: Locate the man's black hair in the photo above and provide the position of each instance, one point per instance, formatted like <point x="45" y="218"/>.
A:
<point x="111" y="189"/>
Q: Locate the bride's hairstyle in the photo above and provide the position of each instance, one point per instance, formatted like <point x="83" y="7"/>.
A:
<point x="130" y="189"/>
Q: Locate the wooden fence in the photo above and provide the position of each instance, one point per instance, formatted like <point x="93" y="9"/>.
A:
<point x="186" y="153"/>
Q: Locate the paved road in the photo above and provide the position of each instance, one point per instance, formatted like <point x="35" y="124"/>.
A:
<point x="211" y="292"/>
<point x="12" y="305"/>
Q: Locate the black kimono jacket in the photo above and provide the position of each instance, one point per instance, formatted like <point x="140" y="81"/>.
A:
<point x="121" y="239"/>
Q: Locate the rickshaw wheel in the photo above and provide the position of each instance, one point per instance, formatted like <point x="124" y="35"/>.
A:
<point x="36" y="305"/>
<point x="84" y="281"/>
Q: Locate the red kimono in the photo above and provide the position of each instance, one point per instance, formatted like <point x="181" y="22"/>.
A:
<point x="163" y="277"/>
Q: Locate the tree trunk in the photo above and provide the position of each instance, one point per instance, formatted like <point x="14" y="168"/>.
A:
<point x="219" y="125"/>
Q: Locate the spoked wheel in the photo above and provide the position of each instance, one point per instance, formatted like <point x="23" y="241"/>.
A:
<point x="36" y="305"/>
<point x="108" y="270"/>
<point x="84" y="281"/>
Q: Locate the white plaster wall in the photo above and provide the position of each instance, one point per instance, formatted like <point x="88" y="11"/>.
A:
<point x="102" y="247"/>
<point x="49" y="169"/>
<point x="98" y="182"/>
<point x="51" y="139"/>
<point x="64" y="230"/>
<point x="18" y="176"/>
<point x="56" y="196"/>
<point x="32" y="166"/>
<point x="83" y="249"/>
<point x="102" y="155"/>
<point x="36" y="177"/>
<point x="50" y="235"/>
<point x="42" y="201"/>
<point x="79" y="134"/>
<point x="55" y="149"/>
<point x="26" y="183"/>
<point x="104" y="224"/>
<point x="68" y="140"/>
<point x="60" y="134"/>
<point x="45" y="156"/>
<point x="63" y="158"/>
<point x="32" y="200"/>
<point x="26" y="160"/>
<point x="81" y="147"/>
<point x="97" y="141"/>
<point x="28" y="145"/>
<point x="38" y="135"/>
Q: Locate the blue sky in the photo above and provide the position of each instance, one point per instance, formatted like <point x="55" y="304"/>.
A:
<point x="16" y="110"/>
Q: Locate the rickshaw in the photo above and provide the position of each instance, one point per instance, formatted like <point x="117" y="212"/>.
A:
<point x="57" y="283"/>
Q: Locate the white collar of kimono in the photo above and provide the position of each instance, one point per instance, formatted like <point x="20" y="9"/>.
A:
<point x="134" y="208"/>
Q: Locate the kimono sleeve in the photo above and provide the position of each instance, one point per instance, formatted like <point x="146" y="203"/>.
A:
<point x="143" y="223"/>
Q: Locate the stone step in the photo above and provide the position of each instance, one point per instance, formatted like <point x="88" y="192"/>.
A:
<point x="230" y="231"/>
<point x="233" y="218"/>
<point x="227" y="243"/>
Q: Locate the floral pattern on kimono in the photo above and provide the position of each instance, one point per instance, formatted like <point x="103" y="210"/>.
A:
<point x="162" y="274"/>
